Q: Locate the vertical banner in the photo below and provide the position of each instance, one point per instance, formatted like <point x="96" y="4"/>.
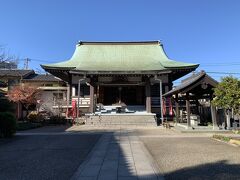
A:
<point x="164" y="106"/>
<point x="74" y="103"/>
<point x="170" y="107"/>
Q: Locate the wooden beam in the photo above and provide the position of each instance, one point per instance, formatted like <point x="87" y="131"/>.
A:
<point x="148" y="96"/>
<point x="91" y="108"/>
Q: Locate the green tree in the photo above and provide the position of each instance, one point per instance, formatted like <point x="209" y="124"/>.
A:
<point x="227" y="96"/>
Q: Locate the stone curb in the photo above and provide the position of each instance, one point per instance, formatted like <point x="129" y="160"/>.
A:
<point x="76" y="175"/>
<point x="225" y="142"/>
<point x="154" y="164"/>
<point x="235" y="142"/>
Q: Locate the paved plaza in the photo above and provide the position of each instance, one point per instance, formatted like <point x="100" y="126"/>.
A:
<point x="44" y="156"/>
<point x="117" y="152"/>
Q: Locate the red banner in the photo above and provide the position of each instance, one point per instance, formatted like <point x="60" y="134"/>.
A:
<point x="170" y="107"/>
<point x="74" y="105"/>
<point x="164" y="106"/>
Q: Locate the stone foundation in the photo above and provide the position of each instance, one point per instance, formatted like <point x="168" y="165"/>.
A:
<point x="136" y="120"/>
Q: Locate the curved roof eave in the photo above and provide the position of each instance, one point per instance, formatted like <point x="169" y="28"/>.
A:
<point x="120" y="56"/>
<point x="51" y="67"/>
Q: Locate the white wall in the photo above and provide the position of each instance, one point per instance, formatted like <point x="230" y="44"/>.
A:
<point x="48" y="102"/>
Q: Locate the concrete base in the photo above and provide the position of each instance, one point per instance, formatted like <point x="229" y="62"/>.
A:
<point x="198" y="129"/>
<point x="147" y="119"/>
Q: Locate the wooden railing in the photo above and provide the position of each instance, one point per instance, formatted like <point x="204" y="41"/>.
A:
<point x="82" y="102"/>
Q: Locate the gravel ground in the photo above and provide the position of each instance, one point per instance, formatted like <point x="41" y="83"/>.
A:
<point x="194" y="157"/>
<point x="43" y="156"/>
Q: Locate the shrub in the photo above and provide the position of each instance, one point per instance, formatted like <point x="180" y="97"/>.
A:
<point x="7" y="124"/>
<point x="32" y="116"/>
<point x="35" y="117"/>
<point x="221" y="137"/>
<point x="6" y="105"/>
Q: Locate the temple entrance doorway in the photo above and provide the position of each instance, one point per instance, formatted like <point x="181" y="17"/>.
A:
<point x="130" y="95"/>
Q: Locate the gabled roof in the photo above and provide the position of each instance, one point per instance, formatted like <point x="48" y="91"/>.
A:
<point x="15" y="72"/>
<point x="191" y="82"/>
<point x="42" y="77"/>
<point x="119" y="57"/>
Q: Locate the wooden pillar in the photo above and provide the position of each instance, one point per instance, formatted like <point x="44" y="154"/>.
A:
<point x="68" y="98"/>
<point x="148" y="96"/>
<point x="97" y="95"/>
<point x="214" y="119"/>
<point x="177" y="108"/>
<point x="188" y="110"/>
<point x="91" y="108"/>
<point x="70" y="86"/>
<point x="69" y="93"/>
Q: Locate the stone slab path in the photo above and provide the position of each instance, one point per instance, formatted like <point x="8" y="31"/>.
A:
<point x="118" y="156"/>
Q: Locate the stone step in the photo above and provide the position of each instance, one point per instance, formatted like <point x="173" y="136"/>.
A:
<point x="136" y="120"/>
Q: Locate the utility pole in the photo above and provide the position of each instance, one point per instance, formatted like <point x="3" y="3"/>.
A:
<point x="26" y="63"/>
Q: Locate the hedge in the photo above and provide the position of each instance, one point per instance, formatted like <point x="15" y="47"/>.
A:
<point x="7" y="124"/>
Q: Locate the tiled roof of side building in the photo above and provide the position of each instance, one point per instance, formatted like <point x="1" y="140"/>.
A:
<point x="15" y="72"/>
<point x="42" y="77"/>
<point x="189" y="82"/>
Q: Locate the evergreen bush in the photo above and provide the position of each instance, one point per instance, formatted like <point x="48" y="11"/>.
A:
<point x="6" y="105"/>
<point x="7" y="124"/>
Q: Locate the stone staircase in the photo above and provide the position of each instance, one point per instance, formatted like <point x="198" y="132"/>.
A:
<point x="122" y="119"/>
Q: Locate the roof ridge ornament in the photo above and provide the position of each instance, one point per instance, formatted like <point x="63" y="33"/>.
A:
<point x="118" y="42"/>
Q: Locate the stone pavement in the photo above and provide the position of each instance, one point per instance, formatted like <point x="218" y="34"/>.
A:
<point x="118" y="156"/>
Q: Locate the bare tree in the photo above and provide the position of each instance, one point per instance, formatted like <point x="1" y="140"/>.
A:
<point x="7" y="61"/>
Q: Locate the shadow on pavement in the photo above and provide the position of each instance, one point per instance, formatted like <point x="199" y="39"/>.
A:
<point x="218" y="170"/>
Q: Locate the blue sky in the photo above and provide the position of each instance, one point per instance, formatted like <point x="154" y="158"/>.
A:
<point x="199" y="31"/>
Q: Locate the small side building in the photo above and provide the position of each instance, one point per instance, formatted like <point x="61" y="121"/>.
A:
<point x="53" y="90"/>
<point x="193" y="101"/>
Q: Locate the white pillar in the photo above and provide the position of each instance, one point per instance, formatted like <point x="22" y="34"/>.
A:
<point x="214" y="119"/>
<point x="228" y="119"/>
<point x="73" y="91"/>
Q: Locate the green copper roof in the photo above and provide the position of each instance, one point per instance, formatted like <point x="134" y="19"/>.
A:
<point x="120" y="56"/>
